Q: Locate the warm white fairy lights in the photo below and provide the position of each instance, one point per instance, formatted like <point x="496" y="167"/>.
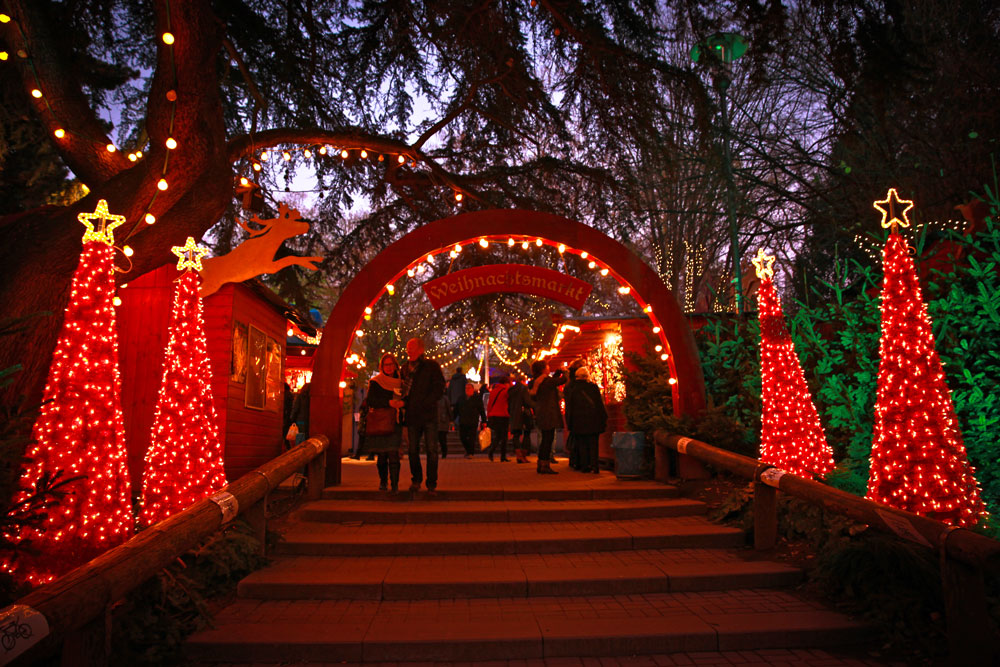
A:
<point x="507" y="356"/>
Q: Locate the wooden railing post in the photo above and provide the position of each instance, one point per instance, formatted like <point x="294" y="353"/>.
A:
<point x="256" y="518"/>
<point x="765" y="509"/>
<point x="316" y="475"/>
<point x="972" y="640"/>
<point x="89" y="645"/>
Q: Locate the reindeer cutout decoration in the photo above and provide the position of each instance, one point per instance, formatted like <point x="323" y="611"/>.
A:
<point x="255" y="256"/>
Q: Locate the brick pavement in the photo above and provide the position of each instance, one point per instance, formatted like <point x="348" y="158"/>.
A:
<point x="665" y="601"/>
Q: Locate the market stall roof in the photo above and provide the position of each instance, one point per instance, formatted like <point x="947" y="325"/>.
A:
<point x="583" y="334"/>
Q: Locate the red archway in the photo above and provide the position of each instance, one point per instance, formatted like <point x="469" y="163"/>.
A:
<point x="633" y="274"/>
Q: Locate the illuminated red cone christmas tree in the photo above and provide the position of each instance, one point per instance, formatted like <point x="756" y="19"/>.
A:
<point x="184" y="461"/>
<point x="792" y="437"/>
<point x="918" y="459"/>
<point x="79" y="431"/>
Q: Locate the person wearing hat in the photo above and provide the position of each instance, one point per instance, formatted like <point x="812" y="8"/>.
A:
<point x="586" y="418"/>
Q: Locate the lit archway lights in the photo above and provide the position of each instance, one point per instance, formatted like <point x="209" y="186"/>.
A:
<point x="380" y="276"/>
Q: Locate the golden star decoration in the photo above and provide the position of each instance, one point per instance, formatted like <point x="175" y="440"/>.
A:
<point x="108" y="224"/>
<point x="189" y="255"/>
<point x="893" y="209"/>
<point x="764" y="264"/>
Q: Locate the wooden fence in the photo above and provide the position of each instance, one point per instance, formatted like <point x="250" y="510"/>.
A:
<point x="74" y="611"/>
<point x="964" y="555"/>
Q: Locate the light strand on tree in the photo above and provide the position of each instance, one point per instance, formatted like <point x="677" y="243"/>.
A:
<point x="792" y="437"/>
<point x="918" y="459"/>
<point x="184" y="460"/>
<point x="80" y="429"/>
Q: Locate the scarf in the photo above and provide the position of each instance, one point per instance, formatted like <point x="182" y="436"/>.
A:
<point x="387" y="382"/>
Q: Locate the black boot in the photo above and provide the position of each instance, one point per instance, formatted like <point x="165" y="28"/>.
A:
<point x="545" y="468"/>
<point x="394" y="475"/>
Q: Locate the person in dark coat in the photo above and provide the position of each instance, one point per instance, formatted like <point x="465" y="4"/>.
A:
<point x="571" y="452"/>
<point x="471" y="414"/>
<point x="384" y="391"/>
<point x="586" y="418"/>
<point x="422" y="387"/>
<point x="456" y="390"/>
<point x="498" y="417"/>
<point x="517" y="405"/>
<point x="544" y="392"/>
<point x="445" y="412"/>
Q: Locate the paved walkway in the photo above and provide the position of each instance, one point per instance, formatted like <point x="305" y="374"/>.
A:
<point x="762" y="658"/>
<point x="492" y="478"/>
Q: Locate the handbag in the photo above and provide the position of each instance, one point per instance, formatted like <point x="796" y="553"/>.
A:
<point x="381" y="421"/>
<point x="484" y="438"/>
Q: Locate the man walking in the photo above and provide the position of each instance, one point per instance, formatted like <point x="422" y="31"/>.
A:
<point x="423" y="386"/>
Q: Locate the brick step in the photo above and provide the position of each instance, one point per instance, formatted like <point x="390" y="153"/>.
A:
<point x="329" y="631"/>
<point x="522" y="575"/>
<point x="609" y="490"/>
<point x="307" y="538"/>
<point x="515" y="511"/>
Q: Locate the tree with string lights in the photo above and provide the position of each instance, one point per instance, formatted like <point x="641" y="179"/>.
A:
<point x="918" y="459"/>
<point x="184" y="461"/>
<point x="79" y="431"/>
<point x="792" y="437"/>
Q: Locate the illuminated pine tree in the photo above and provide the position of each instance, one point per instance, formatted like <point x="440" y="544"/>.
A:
<point x="792" y="437"/>
<point x="918" y="459"/>
<point x="79" y="431"/>
<point x="184" y="461"/>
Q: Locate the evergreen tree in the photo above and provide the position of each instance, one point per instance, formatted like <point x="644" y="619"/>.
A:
<point x="792" y="437"/>
<point x="184" y="461"/>
<point x="919" y="462"/>
<point x="80" y="430"/>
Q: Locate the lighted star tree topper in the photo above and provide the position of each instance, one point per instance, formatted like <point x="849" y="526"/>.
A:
<point x="184" y="461"/>
<point x="792" y="438"/>
<point x="79" y="431"/>
<point x="918" y="459"/>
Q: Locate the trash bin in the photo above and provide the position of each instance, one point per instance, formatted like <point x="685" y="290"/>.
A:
<point x="630" y="454"/>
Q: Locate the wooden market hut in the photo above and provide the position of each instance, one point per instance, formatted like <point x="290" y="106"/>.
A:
<point x="603" y="342"/>
<point x="245" y="327"/>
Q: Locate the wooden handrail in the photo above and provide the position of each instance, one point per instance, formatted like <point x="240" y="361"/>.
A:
<point x="86" y="592"/>
<point x="960" y="543"/>
<point x="964" y="554"/>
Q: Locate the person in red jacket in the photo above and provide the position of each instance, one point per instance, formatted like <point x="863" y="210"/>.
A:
<point x="498" y="416"/>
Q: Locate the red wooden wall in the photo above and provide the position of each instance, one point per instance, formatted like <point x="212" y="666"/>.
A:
<point x="251" y="437"/>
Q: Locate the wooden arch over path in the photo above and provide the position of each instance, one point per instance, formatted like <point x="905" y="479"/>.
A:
<point x="668" y="321"/>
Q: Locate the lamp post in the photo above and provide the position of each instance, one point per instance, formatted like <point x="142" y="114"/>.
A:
<point x="719" y="51"/>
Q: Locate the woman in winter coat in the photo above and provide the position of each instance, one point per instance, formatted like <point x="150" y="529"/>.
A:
<point x="517" y="406"/>
<point x="544" y="392"/>
<point x="586" y="418"/>
<point x="384" y="392"/>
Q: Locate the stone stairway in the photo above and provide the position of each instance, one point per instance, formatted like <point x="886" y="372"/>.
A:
<point x="526" y="567"/>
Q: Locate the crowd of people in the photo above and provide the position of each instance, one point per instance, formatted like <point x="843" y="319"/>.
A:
<point x="409" y="402"/>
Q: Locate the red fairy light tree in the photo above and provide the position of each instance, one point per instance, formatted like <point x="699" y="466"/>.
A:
<point x="918" y="459"/>
<point x="792" y="437"/>
<point x="184" y="461"/>
<point x="79" y="432"/>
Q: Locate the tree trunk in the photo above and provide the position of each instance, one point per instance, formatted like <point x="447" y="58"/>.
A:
<point x="39" y="249"/>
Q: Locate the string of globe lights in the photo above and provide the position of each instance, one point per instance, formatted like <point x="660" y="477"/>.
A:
<point x="872" y="245"/>
<point x="501" y="355"/>
<point x="64" y="132"/>
<point x="526" y="242"/>
<point x="317" y="151"/>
